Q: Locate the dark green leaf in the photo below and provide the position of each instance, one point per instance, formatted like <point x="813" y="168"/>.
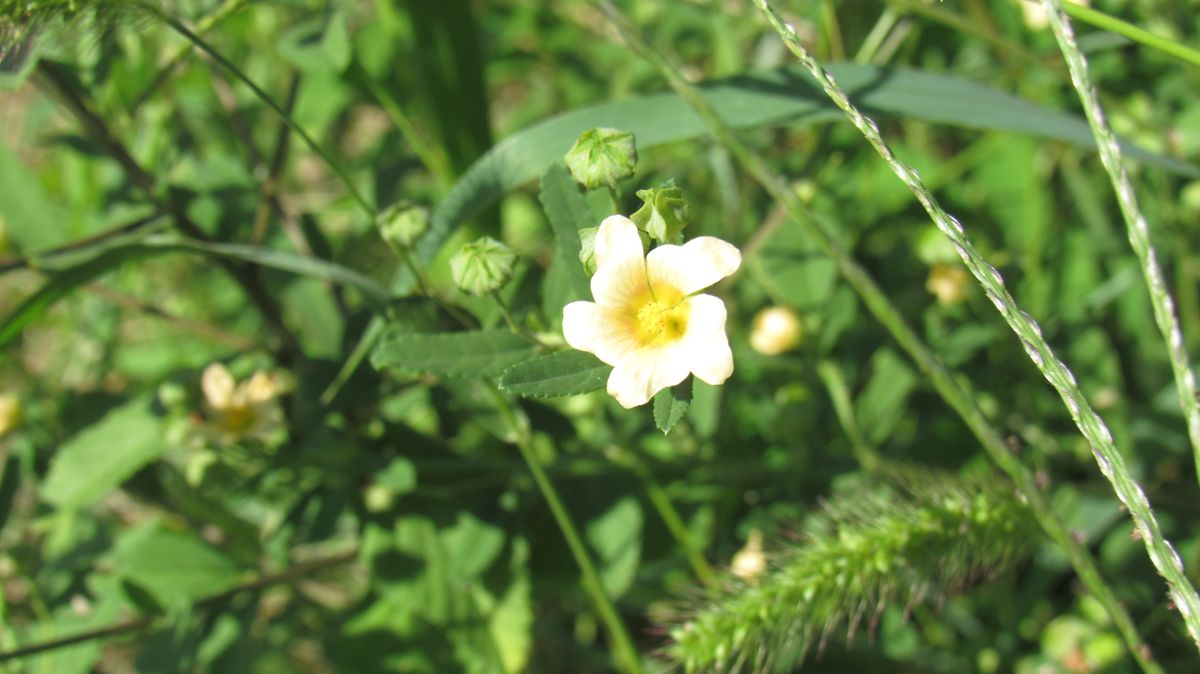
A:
<point x="453" y="354"/>
<point x="671" y="404"/>
<point x="562" y="373"/>
<point x="882" y="403"/>
<point x="617" y="538"/>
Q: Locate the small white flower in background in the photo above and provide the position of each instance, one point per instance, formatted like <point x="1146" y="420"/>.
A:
<point x="234" y="411"/>
<point x="1035" y="14"/>
<point x="948" y="283"/>
<point x="10" y="413"/>
<point x="750" y="562"/>
<point x="775" y="330"/>
<point x="648" y="321"/>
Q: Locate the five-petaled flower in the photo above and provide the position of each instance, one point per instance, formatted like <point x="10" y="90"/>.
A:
<point x="648" y="321"/>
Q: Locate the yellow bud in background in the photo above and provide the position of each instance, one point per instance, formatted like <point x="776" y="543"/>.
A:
<point x="10" y="413"/>
<point x="750" y="562"/>
<point x="775" y="330"/>
<point x="947" y="282"/>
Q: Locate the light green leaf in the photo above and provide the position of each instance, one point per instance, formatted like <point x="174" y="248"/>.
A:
<point x="321" y="44"/>
<point x="31" y="218"/>
<point x="453" y="354"/>
<point x="103" y="455"/>
<point x="562" y="373"/>
<point x="883" y="401"/>
<point x="617" y="538"/>
<point x="785" y="96"/>
<point x="671" y="405"/>
<point x="173" y="566"/>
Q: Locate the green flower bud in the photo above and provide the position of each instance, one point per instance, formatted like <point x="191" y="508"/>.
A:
<point x="601" y="157"/>
<point x="587" y="249"/>
<point x="663" y="213"/>
<point x="482" y="266"/>
<point x="401" y="224"/>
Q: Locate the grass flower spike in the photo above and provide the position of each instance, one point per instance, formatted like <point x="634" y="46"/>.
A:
<point x="648" y="321"/>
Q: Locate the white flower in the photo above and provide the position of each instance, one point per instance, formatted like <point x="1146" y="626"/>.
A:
<point x="647" y="320"/>
<point x="234" y="411"/>
<point x="749" y="563"/>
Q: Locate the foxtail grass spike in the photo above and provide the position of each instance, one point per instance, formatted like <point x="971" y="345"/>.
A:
<point x="924" y="534"/>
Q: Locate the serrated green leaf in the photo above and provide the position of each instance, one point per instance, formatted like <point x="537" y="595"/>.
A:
<point x="671" y="405"/>
<point x="562" y="373"/>
<point x="568" y="213"/>
<point x="103" y="455"/>
<point x="452" y="354"/>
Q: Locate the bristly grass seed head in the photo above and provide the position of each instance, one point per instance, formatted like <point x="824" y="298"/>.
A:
<point x="920" y="537"/>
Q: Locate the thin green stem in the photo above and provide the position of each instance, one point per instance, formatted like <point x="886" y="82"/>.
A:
<point x="225" y="63"/>
<point x="943" y="381"/>
<point x="1139" y="35"/>
<point x="1112" y="464"/>
<point x="1136" y="225"/>
<point x="203" y="25"/>
<point x="879" y="32"/>
<point x="964" y="25"/>
<point x="431" y="156"/>
<point x="670" y="516"/>
<point x="866" y="455"/>
<point x="628" y="659"/>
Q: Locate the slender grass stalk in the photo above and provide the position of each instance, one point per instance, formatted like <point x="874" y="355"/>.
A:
<point x="626" y="654"/>
<point x="839" y="394"/>
<point x="1136" y="224"/>
<point x="879" y="32"/>
<point x="204" y="24"/>
<point x="1139" y="35"/>
<point x="666" y="510"/>
<point x="1112" y="464"/>
<point x="432" y="156"/>
<point x="886" y="313"/>
<point x="237" y="72"/>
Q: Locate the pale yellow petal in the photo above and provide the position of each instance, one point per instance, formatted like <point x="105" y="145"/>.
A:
<point x="590" y="327"/>
<point x="705" y="346"/>
<point x="621" y="285"/>
<point x="218" y="386"/>
<point x="263" y="386"/>
<point x="617" y="240"/>
<point x="693" y="266"/>
<point x="643" y="373"/>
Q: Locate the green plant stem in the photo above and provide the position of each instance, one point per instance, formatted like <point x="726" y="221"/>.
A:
<point x="666" y="510"/>
<point x="299" y="570"/>
<point x="1139" y="35"/>
<point x="1136" y="225"/>
<point x="628" y="659"/>
<point x="614" y="198"/>
<point x="225" y="63"/>
<point x="1112" y="464"/>
<point x="203" y="25"/>
<point x="960" y="23"/>
<point x="941" y="378"/>
<point x="431" y="156"/>
<point x="839" y="394"/>
<point x="879" y="32"/>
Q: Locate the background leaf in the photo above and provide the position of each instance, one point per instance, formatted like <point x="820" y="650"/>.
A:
<point x="101" y="457"/>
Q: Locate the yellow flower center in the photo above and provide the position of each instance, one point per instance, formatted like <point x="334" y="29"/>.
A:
<point x="238" y="418"/>
<point x="660" y="322"/>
